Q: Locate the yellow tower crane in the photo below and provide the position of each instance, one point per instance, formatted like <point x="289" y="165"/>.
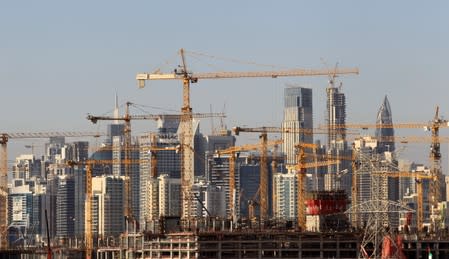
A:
<point x="300" y="168"/>
<point x="4" y="139"/>
<point x="187" y="77"/>
<point x="232" y="159"/>
<point x="127" y="141"/>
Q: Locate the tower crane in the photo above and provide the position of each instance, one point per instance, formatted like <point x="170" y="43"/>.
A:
<point x="88" y="201"/>
<point x="232" y="157"/>
<point x="186" y="119"/>
<point x="4" y="138"/>
<point x="252" y="203"/>
<point x="263" y="158"/>
<point x="127" y="142"/>
<point x="301" y="167"/>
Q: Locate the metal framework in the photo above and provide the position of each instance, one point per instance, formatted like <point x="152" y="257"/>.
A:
<point x="375" y="228"/>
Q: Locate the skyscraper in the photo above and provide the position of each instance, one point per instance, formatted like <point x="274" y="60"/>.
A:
<point x="108" y="205"/>
<point x="336" y="137"/>
<point x="336" y="115"/>
<point x="65" y="207"/>
<point x="385" y="135"/>
<point x="297" y="115"/>
<point x="285" y="190"/>
<point x="119" y="169"/>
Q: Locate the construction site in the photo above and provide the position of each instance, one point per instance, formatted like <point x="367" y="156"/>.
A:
<point x="284" y="197"/>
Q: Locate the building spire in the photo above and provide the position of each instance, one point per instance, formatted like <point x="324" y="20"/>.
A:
<point x="385" y="135"/>
<point x="116" y="111"/>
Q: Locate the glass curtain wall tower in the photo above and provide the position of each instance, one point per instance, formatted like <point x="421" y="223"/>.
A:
<point x="385" y="135"/>
<point x="297" y="115"/>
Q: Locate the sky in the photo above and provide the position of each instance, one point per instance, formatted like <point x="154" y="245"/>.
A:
<point x="60" y="60"/>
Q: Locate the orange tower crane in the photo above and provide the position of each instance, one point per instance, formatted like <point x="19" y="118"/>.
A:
<point x="4" y="138"/>
<point x="232" y="158"/>
<point x="187" y="77"/>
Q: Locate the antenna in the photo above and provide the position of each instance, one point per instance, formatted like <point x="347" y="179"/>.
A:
<point x="212" y="125"/>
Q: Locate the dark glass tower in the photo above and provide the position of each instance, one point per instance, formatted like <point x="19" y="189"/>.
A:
<point x="384" y="133"/>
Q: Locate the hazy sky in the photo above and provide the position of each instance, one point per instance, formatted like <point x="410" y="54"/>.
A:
<point x="60" y="60"/>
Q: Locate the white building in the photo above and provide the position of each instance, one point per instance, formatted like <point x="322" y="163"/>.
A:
<point x="285" y="195"/>
<point x="169" y="196"/>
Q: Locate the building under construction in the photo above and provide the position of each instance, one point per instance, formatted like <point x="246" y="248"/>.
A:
<point x="221" y="242"/>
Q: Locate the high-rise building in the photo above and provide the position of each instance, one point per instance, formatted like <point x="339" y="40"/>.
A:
<point x="168" y="162"/>
<point x="119" y="166"/>
<point x="213" y="201"/>
<point x="53" y="148"/>
<point x="285" y="192"/>
<point x="78" y="151"/>
<point x="79" y="174"/>
<point x="49" y="204"/>
<point x="336" y="115"/>
<point x="107" y="205"/>
<point x="385" y="135"/>
<point x="20" y="206"/>
<point x="65" y="207"/>
<point x="298" y="114"/>
<point x="26" y="166"/>
<point x="336" y="139"/>
<point x="218" y="175"/>
<point x="169" y="196"/>
<point x="373" y="187"/>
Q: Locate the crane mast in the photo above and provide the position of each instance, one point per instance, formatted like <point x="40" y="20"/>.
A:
<point x="263" y="178"/>
<point x="3" y="191"/>
<point x="435" y="169"/>
<point x="128" y="176"/>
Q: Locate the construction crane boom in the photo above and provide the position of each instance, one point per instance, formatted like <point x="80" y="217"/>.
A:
<point x="405" y="125"/>
<point x="307" y="131"/>
<point x="94" y="119"/>
<point x="226" y="75"/>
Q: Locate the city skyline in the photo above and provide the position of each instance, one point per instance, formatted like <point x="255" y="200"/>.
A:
<point x="61" y="62"/>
